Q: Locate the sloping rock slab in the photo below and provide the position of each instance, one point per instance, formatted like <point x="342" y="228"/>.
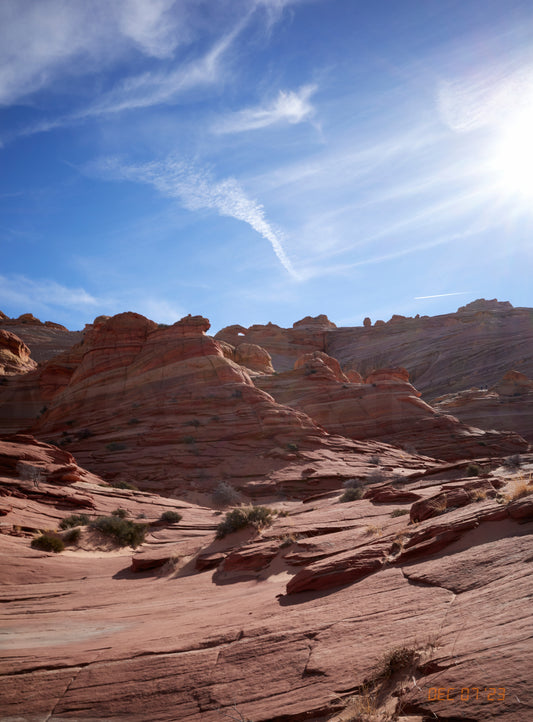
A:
<point x="340" y="569"/>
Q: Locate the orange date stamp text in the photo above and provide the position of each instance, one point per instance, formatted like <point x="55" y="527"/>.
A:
<point x="466" y="694"/>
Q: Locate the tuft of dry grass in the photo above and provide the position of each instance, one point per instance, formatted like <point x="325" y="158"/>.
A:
<point x="372" y="530"/>
<point x="288" y="539"/>
<point x="521" y="488"/>
<point x="478" y="494"/>
<point x="399" y="512"/>
<point x="362" y="707"/>
<point x="399" y="541"/>
<point x="439" y="506"/>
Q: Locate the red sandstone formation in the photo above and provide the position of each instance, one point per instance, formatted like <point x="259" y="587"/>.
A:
<point x="333" y="607"/>
<point x="14" y="354"/>
<point x="283" y="345"/>
<point x="506" y="405"/>
<point x="442" y="354"/>
<point x="386" y="407"/>
<point x="253" y="357"/>
<point x="45" y="340"/>
<point x="166" y="408"/>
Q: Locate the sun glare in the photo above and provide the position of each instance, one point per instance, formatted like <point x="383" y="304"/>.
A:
<point x="513" y="160"/>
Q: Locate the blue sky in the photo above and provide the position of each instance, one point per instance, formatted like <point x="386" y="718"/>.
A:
<point x="264" y="160"/>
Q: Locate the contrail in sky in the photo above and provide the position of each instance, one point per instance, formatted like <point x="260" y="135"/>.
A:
<point x="441" y="295"/>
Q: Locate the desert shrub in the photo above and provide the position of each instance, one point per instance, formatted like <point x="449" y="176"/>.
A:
<point x="288" y="539"/>
<point x="123" y="531"/>
<point x="133" y="421"/>
<point x="351" y="494"/>
<point x="122" y="485"/>
<point x="292" y="447"/>
<point x="473" y="470"/>
<point x="352" y="484"/>
<point x="74" y="520"/>
<point x="226" y="495"/>
<point x="399" y="512"/>
<point x="399" y="479"/>
<point x="242" y="517"/>
<point x="376" y="476"/>
<point x="116" y="446"/>
<point x="374" y="459"/>
<point x="120" y="512"/>
<point x="396" y="660"/>
<point x="72" y="536"/>
<point x="512" y="462"/>
<point x="84" y="434"/>
<point x="170" y="517"/>
<point x="48" y="542"/>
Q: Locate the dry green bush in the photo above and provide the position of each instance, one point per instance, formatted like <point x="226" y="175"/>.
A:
<point x="170" y="517"/>
<point x="124" y="532"/>
<point x="243" y="516"/>
<point x="48" y="542"/>
<point x="351" y="494"/>
<point x="226" y="495"/>
<point x="74" y="520"/>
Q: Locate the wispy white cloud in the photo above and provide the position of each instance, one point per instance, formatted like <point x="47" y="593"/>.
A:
<point x="442" y="295"/>
<point x="289" y="107"/>
<point x="314" y="270"/>
<point x="152" y="26"/>
<point x="42" y="40"/>
<point x="43" y="294"/>
<point x="487" y="98"/>
<point x="197" y="189"/>
<point x="159" y="87"/>
<point x="158" y="309"/>
<point x="46" y="296"/>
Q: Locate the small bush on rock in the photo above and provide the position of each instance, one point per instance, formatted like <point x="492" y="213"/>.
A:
<point x="74" y="520"/>
<point x="351" y="494"/>
<point x="48" y="542"/>
<point x="242" y="517"/>
<point x="399" y="512"/>
<point x="123" y="531"/>
<point x="226" y="495"/>
<point x="121" y="513"/>
<point x="473" y="470"/>
<point x="123" y="485"/>
<point x="353" y="484"/>
<point x="512" y="462"/>
<point x="170" y="517"/>
<point x="397" y="659"/>
<point x="72" y="536"/>
<point x="376" y="477"/>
